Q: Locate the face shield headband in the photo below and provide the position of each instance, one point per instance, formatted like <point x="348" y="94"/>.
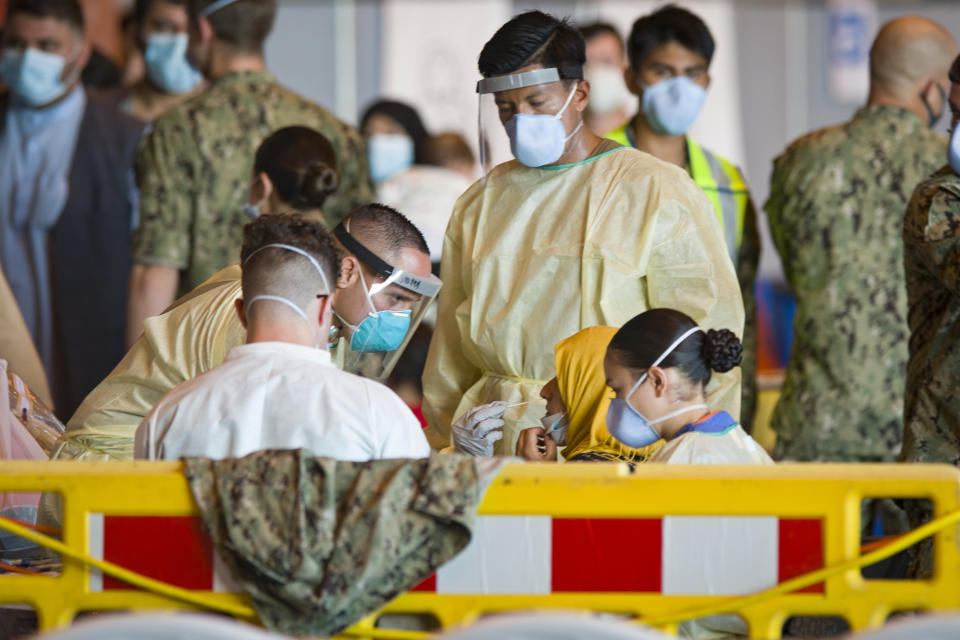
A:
<point x="536" y="142"/>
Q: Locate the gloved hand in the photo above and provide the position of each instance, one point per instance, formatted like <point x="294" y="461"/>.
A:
<point x="476" y="431"/>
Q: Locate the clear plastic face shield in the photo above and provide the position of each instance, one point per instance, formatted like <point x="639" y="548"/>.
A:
<point x="395" y="305"/>
<point x="522" y="115"/>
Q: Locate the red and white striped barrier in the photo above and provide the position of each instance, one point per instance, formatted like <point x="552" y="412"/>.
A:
<point x="523" y="555"/>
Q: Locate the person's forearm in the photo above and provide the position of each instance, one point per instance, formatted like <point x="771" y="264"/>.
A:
<point x="152" y="289"/>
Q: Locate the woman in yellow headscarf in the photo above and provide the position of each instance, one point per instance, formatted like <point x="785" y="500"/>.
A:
<point x="577" y="400"/>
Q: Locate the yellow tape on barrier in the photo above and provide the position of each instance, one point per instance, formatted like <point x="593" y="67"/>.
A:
<point x="135" y="579"/>
<point x="800" y="582"/>
<point x="733" y="606"/>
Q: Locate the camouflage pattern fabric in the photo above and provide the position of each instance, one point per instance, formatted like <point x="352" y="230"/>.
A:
<point x="837" y="202"/>
<point x="748" y="259"/>
<point x="931" y="237"/>
<point x="194" y="169"/>
<point x="319" y="544"/>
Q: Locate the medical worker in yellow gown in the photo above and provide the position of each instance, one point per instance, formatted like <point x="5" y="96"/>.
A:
<point x="576" y="232"/>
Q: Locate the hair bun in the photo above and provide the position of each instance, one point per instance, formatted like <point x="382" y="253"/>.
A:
<point x="319" y="181"/>
<point x="722" y="350"/>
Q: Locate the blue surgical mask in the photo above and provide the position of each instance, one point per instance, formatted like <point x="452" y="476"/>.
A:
<point x="539" y="139"/>
<point x="631" y="427"/>
<point x="33" y="76"/>
<point x="389" y="154"/>
<point x="953" y="153"/>
<point x="166" y="61"/>
<point x="671" y="106"/>
<point x="380" y="330"/>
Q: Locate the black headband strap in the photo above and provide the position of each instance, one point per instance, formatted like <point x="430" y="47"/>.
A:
<point x="367" y="257"/>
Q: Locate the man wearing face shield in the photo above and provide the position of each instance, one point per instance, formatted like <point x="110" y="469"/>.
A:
<point x="195" y="334"/>
<point x="670" y="51"/>
<point x="68" y="201"/>
<point x="577" y="232"/>
<point x="281" y="390"/>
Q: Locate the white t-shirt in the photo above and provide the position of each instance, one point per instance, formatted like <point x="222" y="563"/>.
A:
<point x="276" y="395"/>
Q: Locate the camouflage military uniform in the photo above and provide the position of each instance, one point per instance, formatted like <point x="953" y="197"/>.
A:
<point x="194" y="171"/>
<point x="931" y="237"/>
<point x="836" y="207"/>
<point x="319" y="544"/>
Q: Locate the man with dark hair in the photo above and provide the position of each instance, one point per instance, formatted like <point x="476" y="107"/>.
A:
<point x="194" y="167"/>
<point x="670" y="51"/>
<point x="281" y="390"/>
<point x="836" y="212"/>
<point x="578" y="231"/>
<point x="606" y="62"/>
<point x="68" y="200"/>
<point x="160" y="36"/>
<point x="195" y="334"/>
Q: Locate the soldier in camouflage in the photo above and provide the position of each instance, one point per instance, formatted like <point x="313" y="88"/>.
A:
<point x="194" y="168"/>
<point x="931" y="238"/>
<point x="836" y="207"/>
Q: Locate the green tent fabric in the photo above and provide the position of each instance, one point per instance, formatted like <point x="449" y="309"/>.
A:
<point x="319" y="544"/>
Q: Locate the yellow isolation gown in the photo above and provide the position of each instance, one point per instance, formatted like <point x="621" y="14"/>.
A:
<point x="533" y="255"/>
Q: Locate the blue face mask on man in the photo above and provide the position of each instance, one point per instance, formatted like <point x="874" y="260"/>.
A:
<point x="389" y="154"/>
<point x="166" y="60"/>
<point x="671" y="106"/>
<point x="631" y="427"/>
<point x="34" y="76"/>
<point x="380" y="330"/>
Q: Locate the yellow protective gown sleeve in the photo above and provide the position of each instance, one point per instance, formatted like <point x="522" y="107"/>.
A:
<point x="586" y="396"/>
<point x="531" y="256"/>
<point x="16" y="346"/>
<point x="192" y="337"/>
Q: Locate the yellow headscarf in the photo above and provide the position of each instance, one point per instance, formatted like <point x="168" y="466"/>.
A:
<point x="586" y="396"/>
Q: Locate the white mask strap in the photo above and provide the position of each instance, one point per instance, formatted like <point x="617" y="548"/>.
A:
<point x="286" y="301"/>
<point x="676" y="413"/>
<point x="288" y="247"/>
<point x="663" y="356"/>
<point x="573" y="90"/>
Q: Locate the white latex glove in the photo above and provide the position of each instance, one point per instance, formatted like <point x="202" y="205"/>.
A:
<point x="477" y="430"/>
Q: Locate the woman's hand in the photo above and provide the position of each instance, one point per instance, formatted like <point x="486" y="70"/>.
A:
<point x="533" y="445"/>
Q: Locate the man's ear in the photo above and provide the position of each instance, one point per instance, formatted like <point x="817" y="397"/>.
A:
<point x="349" y="272"/>
<point x="241" y="312"/>
<point x="204" y="29"/>
<point x="630" y="78"/>
<point x="326" y="312"/>
<point x="86" y="50"/>
<point x="582" y="95"/>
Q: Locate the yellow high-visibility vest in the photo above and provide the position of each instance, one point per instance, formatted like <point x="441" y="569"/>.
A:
<point x="720" y="179"/>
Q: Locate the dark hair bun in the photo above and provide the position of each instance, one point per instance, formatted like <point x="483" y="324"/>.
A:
<point x="722" y="350"/>
<point x="319" y="181"/>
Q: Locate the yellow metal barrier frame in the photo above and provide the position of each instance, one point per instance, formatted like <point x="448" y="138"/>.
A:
<point x="830" y="492"/>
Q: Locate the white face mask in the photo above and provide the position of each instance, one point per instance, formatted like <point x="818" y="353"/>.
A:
<point x="539" y="139"/>
<point x="608" y="91"/>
